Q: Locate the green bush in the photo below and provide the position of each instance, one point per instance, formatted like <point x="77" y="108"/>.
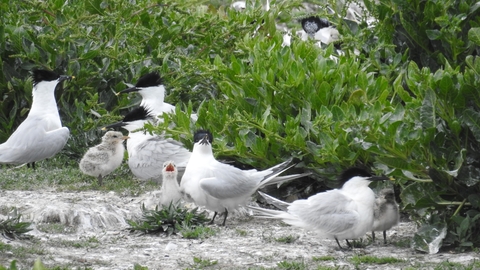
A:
<point x="406" y="105"/>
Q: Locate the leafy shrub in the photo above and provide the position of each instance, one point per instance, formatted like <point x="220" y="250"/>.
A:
<point x="168" y="220"/>
<point x="12" y="227"/>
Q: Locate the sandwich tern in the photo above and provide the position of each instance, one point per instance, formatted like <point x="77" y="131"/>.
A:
<point x="221" y="187"/>
<point x="147" y="153"/>
<point x="386" y="213"/>
<point x="104" y="158"/>
<point x="170" y="191"/>
<point x="345" y="213"/>
<point x="41" y="134"/>
<point x="150" y="87"/>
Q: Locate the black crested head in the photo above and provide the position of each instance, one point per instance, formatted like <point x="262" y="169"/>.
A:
<point x="199" y="135"/>
<point x="150" y="79"/>
<point x="40" y="75"/>
<point x="312" y="24"/>
<point x="140" y="113"/>
<point x="352" y="172"/>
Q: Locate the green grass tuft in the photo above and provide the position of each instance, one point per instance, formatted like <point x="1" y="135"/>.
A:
<point x="375" y="260"/>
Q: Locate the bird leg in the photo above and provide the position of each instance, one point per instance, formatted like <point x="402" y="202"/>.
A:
<point x="348" y="243"/>
<point x="338" y="243"/>
<point x="373" y="236"/>
<point x="100" y="180"/>
<point x="385" y="237"/>
<point x="225" y="218"/>
<point x="211" y="221"/>
<point x="32" y="164"/>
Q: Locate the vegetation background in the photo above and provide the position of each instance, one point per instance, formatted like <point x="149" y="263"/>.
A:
<point x="407" y="105"/>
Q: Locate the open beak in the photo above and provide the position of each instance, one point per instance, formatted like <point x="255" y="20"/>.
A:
<point x="170" y="168"/>
<point x="204" y="140"/>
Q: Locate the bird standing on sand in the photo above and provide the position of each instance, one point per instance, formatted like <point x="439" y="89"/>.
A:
<point x="102" y="159"/>
<point x="41" y="134"/>
<point x="147" y="153"/>
<point x="386" y="213"/>
<point x="170" y="191"/>
<point x="221" y="187"/>
<point x="345" y="213"/>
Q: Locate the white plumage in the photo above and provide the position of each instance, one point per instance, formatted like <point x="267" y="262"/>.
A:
<point x="170" y="191"/>
<point x="104" y="158"/>
<point x="221" y="187"/>
<point x="41" y="134"/>
<point x="345" y="213"/>
<point x="386" y="213"/>
<point x="147" y="153"/>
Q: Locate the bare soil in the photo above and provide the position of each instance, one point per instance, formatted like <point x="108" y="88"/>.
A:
<point x="91" y="232"/>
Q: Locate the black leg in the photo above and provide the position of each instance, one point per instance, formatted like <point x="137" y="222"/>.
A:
<point x="338" y="243"/>
<point x="385" y="237"/>
<point x="211" y="221"/>
<point x="348" y="243"/>
<point x="100" y="180"/>
<point x="373" y="236"/>
<point x="225" y="218"/>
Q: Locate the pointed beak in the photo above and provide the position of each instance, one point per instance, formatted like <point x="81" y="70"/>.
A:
<point x="128" y="90"/>
<point x="204" y="140"/>
<point x="380" y="178"/>
<point x="125" y="138"/>
<point x="65" y="78"/>
<point x="114" y="125"/>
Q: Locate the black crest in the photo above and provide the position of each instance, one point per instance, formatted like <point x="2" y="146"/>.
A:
<point x="140" y="113"/>
<point x="150" y="79"/>
<point x="312" y="24"/>
<point x="40" y="75"/>
<point x="352" y="172"/>
<point x="200" y="134"/>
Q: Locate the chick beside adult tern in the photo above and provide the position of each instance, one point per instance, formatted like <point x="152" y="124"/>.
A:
<point x="340" y="214"/>
<point x="104" y="158"/>
<point x="386" y="214"/>
<point x="170" y="191"/>
<point x="41" y="135"/>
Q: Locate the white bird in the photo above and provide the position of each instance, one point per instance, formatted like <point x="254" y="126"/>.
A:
<point x="221" y="187"/>
<point x="150" y="87"/>
<point x="319" y="29"/>
<point x="104" y="158"/>
<point x="147" y="153"/>
<point x="41" y="134"/>
<point x="345" y="213"/>
<point x="386" y="213"/>
<point x="170" y="191"/>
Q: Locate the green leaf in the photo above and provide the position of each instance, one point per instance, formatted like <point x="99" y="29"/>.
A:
<point x="433" y="34"/>
<point x="474" y="35"/>
<point x="428" y="112"/>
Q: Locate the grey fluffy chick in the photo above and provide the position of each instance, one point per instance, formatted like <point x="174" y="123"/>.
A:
<point x="385" y="213"/>
<point x="102" y="159"/>
<point x="170" y="191"/>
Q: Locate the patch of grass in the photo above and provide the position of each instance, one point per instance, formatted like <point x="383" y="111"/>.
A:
<point x="198" y="232"/>
<point x="286" y="265"/>
<point x="324" y="258"/>
<point x="199" y="263"/>
<point x="137" y="266"/>
<point x="457" y="266"/>
<point x="375" y="260"/>
<point x="402" y="243"/>
<point x="53" y="228"/>
<point x="90" y="242"/>
<point x="321" y="267"/>
<point x="168" y="220"/>
<point x="288" y="239"/>
<point x="12" y="227"/>
<point x="241" y="232"/>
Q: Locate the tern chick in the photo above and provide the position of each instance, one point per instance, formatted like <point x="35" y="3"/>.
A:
<point x="104" y="158"/>
<point x="221" y="187"/>
<point x="148" y="153"/>
<point x="41" y="134"/>
<point x="345" y="213"/>
<point x="386" y="213"/>
<point x="170" y="191"/>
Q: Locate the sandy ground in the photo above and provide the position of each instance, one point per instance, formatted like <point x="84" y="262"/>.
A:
<point x="95" y="237"/>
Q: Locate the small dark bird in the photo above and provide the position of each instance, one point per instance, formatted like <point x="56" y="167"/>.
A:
<point x="386" y="214"/>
